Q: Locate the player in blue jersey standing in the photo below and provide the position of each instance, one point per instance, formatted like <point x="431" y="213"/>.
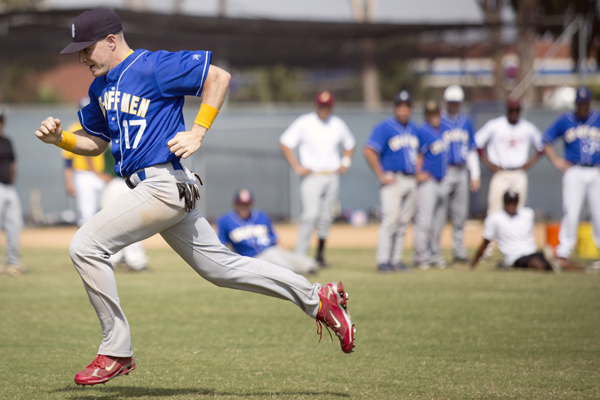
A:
<point x="432" y="198"/>
<point x="391" y="151"/>
<point x="250" y="233"/>
<point x="463" y="169"/>
<point x="136" y="106"/>
<point x="580" y="166"/>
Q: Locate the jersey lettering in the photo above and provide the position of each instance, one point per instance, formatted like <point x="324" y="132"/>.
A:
<point x="437" y="147"/>
<point x="135" y="122"/>
<point x="456" y="135"/>
<point x="582" y="132"/>
<point x="399" y="141"/>
<point x="261" y="232"/>
<point x="130" y="104"/>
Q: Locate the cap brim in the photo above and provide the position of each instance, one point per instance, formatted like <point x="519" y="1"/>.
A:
<point x="77" y="46"/>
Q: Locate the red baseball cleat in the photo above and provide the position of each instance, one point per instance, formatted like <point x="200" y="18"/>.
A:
<point x="334" y="314"/>
<point x="104" y="368"/>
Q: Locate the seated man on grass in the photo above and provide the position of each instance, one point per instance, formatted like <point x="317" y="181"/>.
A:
<point x="512" y="229"/>
<point x="250" y="233"/>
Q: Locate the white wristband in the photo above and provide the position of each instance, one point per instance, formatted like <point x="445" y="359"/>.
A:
<point x="346" y="162"/>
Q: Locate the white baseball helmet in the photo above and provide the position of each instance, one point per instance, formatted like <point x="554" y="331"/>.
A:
<point x="454" y="93"/>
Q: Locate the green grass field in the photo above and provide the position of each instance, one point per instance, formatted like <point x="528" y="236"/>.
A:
<point x="438" y="334"/>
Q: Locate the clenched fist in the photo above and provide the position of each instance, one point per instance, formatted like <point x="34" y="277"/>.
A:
<point x="50" y="131"/>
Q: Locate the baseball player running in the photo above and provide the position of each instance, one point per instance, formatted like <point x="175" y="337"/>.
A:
<point x="580" y="166"/>
<point x="391" y="151"/>
<point x="463" y="161"/>
<point x="318" y="136"/>
<point x="136" y="103"/>
<point x="432" y="198"/>
<point x="250" y="233"/>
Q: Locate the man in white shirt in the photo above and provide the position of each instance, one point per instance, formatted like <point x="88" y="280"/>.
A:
<point x="317" y="136"/>
<point x="512" y="229"/>
<point x="506" y="141"/>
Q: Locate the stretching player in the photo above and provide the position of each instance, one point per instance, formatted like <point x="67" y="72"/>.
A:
<point x="136" y="104"/>
<point x="391" y="151"/>
<point x="512" y="228"/>
<point x="580" y="131"/>
<point x="250" y="232"/>
<point x="432" y="198"/>
<point x="463" y="156"/>
<point x="318" y="136"/>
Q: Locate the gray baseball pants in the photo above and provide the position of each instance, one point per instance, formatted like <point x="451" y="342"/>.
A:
<point x="11" y="221"/>
<point x="457" y="187"/>
<point x="318" y="193"/>
<point x="299" y="263"/>
<point x="398" y="201"/>
<point x="432" y="201"/>
<point x="154" y="207"/>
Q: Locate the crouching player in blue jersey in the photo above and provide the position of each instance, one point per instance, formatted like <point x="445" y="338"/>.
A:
<point x="250" y="233"/>
<point x="432" y="197"/>
<point x="580" y="166"/>
<point x="136" y="106"/>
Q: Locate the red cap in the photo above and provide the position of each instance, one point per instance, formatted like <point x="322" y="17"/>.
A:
<point x="513" y="104"/>
<point x="325" y="98"/>
<point x="243" y="196"/>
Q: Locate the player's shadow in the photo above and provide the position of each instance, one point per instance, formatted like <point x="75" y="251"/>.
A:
<point x="128" y="392"/>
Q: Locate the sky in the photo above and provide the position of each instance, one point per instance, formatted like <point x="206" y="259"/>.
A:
<point x="391" y="11"/>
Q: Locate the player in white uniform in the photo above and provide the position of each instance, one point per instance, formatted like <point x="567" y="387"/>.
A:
<point x="136" y="104"/>
<point x="318" y="135"/>
<point x="580" y="131"/>
<point x="505" y="143"/>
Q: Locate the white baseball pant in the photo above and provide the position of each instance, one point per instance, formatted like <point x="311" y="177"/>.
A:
<point x="318" y="193"/>
<point x="502" y="182"/>
<point x="88" y="189"/>
<point x="299" y="263"/>
<point x="11" y="222"/>
<point x="457" y="187"/>
<point x="577" y="183"/>
<point x="430" y="218"/>
<point x="154" y="207"/>
<point x="398" y="201"/>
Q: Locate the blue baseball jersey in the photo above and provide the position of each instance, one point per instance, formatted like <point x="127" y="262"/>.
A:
<point x="582" y="137"/>
<point x="459" y="137"/>
<point x="434" y="150"/>
<point x="248" y="237"/>
<point x="396" y="144"/>
<point x="138" y="104"/>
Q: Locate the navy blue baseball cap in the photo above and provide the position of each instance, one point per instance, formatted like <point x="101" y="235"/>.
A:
<point x="583" y="95"/>
<point x="91" y="26"/>
<point x="243" y="196"/>
<point x="403" y="97"/>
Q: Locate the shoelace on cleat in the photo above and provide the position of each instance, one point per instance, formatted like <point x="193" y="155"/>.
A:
<point x="99" y="362"/>
<point x="320" y="330"/>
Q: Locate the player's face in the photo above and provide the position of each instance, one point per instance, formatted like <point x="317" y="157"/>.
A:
<point x="512" y="114"/>
<point x="510" y="208"/>
<point x="243" y="210"/>
<point x="434" y="119"/>
<point x="582" y="109"/>
<point x="97" y="58"/>
<point x="323" y="112"/>
<point x="453" y="108"/>
<point x="403" y="112"/>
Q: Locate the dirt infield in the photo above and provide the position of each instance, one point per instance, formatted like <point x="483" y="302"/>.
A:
<point x="341" y="236"/>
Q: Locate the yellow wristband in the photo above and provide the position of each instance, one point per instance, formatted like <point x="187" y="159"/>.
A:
<point x="68" y="142"/>
<point x="206" y="115"/>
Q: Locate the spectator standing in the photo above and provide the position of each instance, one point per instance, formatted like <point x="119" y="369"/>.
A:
<point x="391" y="152"/>
<point x="318" y="135"/>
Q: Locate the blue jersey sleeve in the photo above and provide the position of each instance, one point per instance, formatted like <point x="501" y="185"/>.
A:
<point x="223" y="230"/>
<point x="469" y="128"/>
<point x="182" y="73"/>
<point x="425" y="140"/>
<point x="269" y="223"/>
<point x="377" y="139"/>
<point x="92" y="119"/>
<point x="554" y="131"/>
